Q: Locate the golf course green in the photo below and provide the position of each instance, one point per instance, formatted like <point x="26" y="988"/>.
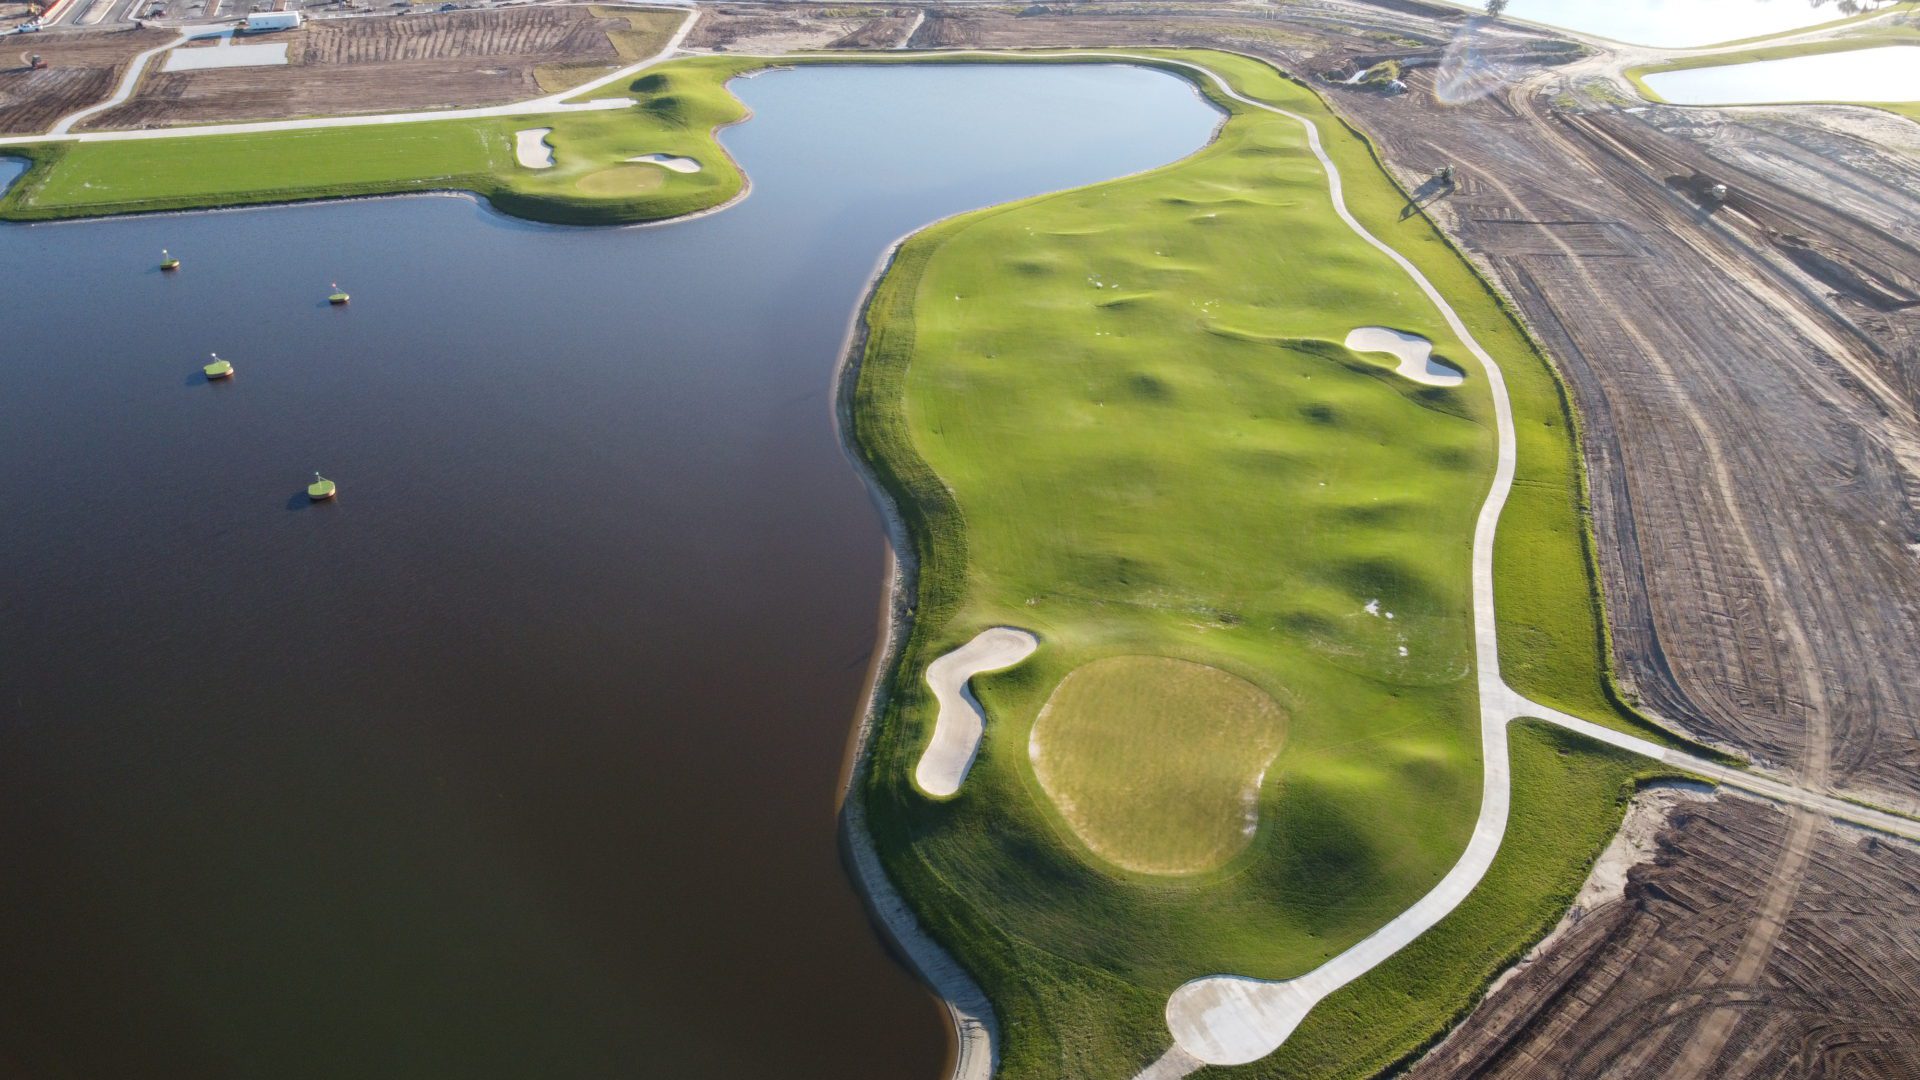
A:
<point x="1121" y="417"/>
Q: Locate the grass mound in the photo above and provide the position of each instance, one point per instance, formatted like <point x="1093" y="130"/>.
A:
<point x="1156" y="763"/>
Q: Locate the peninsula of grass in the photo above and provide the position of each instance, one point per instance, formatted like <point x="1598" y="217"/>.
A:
<point x="678" y="108"/>
<point x="1120" y="417"/>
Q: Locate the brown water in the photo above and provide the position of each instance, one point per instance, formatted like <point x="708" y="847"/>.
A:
<point x="520" y="758"/>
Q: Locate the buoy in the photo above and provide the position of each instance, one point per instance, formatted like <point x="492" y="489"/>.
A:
<point x="168" y="262"/>
<point x="339" y="297"/>
<point x="321" y="489"/>
<point x="219" y="369"/>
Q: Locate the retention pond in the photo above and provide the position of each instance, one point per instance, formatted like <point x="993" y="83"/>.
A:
<point x="1676" y="24"/>
<point x="1887" y="73"/>
<point x="520" y="757"/>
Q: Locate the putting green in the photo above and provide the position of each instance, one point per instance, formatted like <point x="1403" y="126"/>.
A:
<point x="623" y="180"/>
<point x="1156" y="763"/>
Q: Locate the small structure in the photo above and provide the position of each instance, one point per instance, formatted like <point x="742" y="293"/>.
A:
<point x="219" y="369"/>
<point x="168" y="262"/>
<point x="339" y="296"/>
<point x="321" y="489"/>
<point x="261" y="22"/>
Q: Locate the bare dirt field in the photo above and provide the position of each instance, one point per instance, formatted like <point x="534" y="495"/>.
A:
<point x="1673" y="980"/>
<point x="393" y="63"/>
<point x="794" y="27"/>
<point x="81" y="70"/>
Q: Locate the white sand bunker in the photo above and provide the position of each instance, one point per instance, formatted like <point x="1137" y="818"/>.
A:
<point x="1415" y="354"/>
<point x="669" y="161"/>
<point x="957" y="729"/>
<point x="532" y="149"/>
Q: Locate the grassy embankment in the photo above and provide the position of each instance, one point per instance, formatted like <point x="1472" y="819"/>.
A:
<point x="1881" y="32"/>
<point x="1120" y="417"/>
<point x="677" y="108"/>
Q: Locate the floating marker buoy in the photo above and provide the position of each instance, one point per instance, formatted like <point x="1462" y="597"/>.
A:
<point x="168" y="262"/>
<point x="219" y="369"/>
<point x="321" y="489"/>
<point x="339" y="297"/>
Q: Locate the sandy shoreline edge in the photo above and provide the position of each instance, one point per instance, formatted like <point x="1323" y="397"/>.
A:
<point x="975" y="1029"/>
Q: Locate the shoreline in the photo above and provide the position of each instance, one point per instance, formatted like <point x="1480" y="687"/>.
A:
<point x="973" y="1026"/>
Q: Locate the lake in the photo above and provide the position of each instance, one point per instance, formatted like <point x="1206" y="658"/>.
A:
<point x="1676" y="24"/>
<point x="520" y="758"/>
<point x="1888" y="73"/>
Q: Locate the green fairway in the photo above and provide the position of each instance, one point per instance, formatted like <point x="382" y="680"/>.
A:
<point x="677" y="109"/>
<point x="1120" y="417"/>
<point x="1155" y="764"/>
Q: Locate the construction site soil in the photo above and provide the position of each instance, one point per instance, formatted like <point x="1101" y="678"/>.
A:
<point x="360" y="65"/>
<point x="791" y="27"/>
<point x="81" y="70"/>
<point x="1701" y="969"/>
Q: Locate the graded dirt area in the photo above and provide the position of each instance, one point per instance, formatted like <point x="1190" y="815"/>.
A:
<point x="81" y="69"/>
<point x="1697" y="972"/>
<point x="381" y="64"/>
<point x="754" y="28"/>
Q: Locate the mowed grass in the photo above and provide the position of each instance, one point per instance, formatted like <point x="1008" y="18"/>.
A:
<point x="677" y="109"/>
<point x="1155" y="764"/>
<point x="1120" y="417"/>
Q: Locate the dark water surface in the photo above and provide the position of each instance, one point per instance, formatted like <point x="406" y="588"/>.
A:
<point x="519" y="759"/>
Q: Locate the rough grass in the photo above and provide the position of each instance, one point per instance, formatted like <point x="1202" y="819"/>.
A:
<point x="678" y="108"/>
<point x="1120" y="416"/>
<point x="1155" y="764"/>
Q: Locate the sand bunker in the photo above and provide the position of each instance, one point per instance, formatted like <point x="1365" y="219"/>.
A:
<point x="531" y="148"/>
<point x="1156" y="763"/>
<point x="669" y="161"/>
<point x="957" y="729"/>
<point x="1414" y="352"/>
